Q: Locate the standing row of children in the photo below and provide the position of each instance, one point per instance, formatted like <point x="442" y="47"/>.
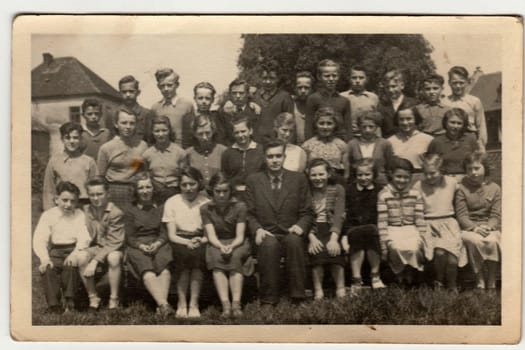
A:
<point x="402" y="236"/>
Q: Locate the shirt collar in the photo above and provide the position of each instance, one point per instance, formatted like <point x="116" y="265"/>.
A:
<point x="280" y="176"/>
<point x="396" y="192"/>
<point x="252" y="145"/>
<point x="361" y="188"/>
<point x="325" y="92"/>
<point x="141" y="206"/>
<point x="108" y="208"/>
<point x="398" y="100"/>
<point x="172" y="102"/>
<point x="453" y="97"/>
<point x="404" y="138"/>
<point x="359" y="93"/>
<point x="439" y="104"/>
<point x="91" y="133"/>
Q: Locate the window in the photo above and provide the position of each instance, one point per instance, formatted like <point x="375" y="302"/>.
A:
<point x="74" y="114"/>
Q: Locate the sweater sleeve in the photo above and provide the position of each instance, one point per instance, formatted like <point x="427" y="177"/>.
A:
<point x="129" y="228"/>
<point x="495" y="211"/>
<point x="382" y="222"/>
<point x="339" y="210"/>
<point x="462" y="211"/>
<point x="419" y="215"/>
<point x="48" y="192"/>
<point x="41" y="238"/>
<point x="102" y="161"/>
<point x="306" y="212"/>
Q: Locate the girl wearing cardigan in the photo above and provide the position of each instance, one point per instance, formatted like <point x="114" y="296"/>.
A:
<point x="328" y="201"/>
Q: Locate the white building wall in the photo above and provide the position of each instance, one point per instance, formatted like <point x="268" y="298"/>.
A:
<point x="53" y="113"/>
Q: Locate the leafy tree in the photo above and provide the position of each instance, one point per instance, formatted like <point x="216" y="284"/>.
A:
<point x="377" y="52"/>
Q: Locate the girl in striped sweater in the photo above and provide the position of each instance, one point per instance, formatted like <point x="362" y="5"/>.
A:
<point x="401" y="224"/>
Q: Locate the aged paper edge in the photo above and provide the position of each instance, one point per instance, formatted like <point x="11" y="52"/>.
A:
<point x="509" y="28"/>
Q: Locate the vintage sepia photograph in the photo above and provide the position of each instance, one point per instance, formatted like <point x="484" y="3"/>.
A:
<point x="221" y="172"/>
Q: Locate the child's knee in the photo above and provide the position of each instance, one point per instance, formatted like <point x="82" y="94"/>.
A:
<point x="439" y="252"/>
<point x="81" y="258"/>
<point x="114" y="259"/>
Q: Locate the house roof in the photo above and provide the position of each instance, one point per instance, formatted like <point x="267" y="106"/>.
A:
<point x="488" y="89"/>
<point x="66" y="76"/>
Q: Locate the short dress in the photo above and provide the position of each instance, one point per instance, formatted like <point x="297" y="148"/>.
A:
<point x="225" y="222"/>
<point x="143" y="226"/>
<point x="361" y="217"/>
<point x="187" y="218"/>
<point x="475" y="205"/>
<point x="402" y="229"/>
<point x="439" y="216"/>
<point x="329" y="212"/>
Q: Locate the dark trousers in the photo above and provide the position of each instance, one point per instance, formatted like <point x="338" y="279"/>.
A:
<point x="59" y="279"/>
<point x="269" y="255"/>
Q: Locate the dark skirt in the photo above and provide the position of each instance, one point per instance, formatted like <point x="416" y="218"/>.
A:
<point x="234" y="262"/>
<point x="364" y="237"/>
<point x="187" y="259"/>
<point x="142" y="262"/>
<point x="323" y="258"/>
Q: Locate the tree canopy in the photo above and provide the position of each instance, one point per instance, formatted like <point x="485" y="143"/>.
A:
<point x="378" y="53"/>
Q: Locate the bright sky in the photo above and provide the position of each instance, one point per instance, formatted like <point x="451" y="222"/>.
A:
<point x="213" y="58"/>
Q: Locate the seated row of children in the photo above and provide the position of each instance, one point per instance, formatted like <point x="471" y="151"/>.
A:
<point x="436" y="219"/>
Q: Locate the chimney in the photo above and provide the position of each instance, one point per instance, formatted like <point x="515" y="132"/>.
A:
<point x="48" y="58"/>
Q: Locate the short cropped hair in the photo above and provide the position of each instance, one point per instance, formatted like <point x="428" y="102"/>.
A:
<point x="97" y="181"/>
<point x="305" y="74"/>
<point x="477" y="156"/>
<point x="142" y="176"/>
<point x="270" y="66"/>
<point x="272" y="144"/>
<point x="161" y="119"/>
<point x="68" y="127"/>
<point x="457" y="112"/>
<point x="128" y="79"/>
<point x="162" y="73"/>
<point x="91" y="102"/>
<point x="66" y="186"/>
<point x="202" y="120"/>
<point x="433" y="159"/>
<point x="192" y="173"/>
<point x="399" y="163"/>
<point x="434" y="78"/>
<point x="240" y="120"/>
<point x="204" y="85"/>
<point x="358" y="68"/>
<point x="219" y="179"/>
<point x="319" y="161"/>
<point x="126" y="110"/>
<point x="284" y="119"/>
<point x="373" y="116"/>
<point x="394" y="74"/>
<point x="458" y="70"/>
<point x="415" y="112"/>
<point x="239" y="82"/>
<point x="327" y="63"/>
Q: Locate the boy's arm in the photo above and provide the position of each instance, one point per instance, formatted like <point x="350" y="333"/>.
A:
<point x="93" y="171"/>
<point x="419" y="215"/>
<point x="115" y="235"/>
<point x="49" y="190"/>
<point x="339" y="210"/>
<point x="83" y="236"/>
<point x="481" y="125"/>
<point x="41" y="238"/>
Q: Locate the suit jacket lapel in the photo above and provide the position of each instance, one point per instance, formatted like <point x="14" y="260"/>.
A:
<point x="266" y="186"/>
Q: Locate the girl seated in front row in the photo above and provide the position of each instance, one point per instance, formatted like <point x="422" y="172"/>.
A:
<point x="402" y="228"/>
<point x="361" y="223"/>
<point x="478" y="210"/>
<point x="328" y="201"/>
<point x="438" y="195"/>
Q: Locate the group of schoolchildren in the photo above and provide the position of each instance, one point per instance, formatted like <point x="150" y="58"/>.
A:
<point x="183" y="189"/>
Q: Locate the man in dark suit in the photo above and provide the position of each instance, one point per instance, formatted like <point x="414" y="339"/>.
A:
<point x="395" y="101"/>
<point x="279" y="216"/>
